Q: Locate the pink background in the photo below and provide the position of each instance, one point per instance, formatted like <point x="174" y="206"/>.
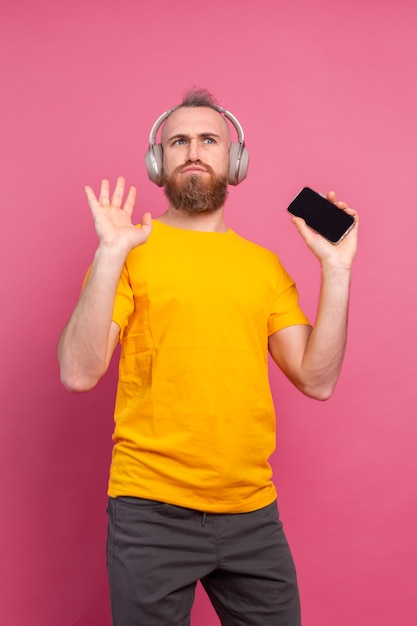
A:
<point x="327" y="94"/>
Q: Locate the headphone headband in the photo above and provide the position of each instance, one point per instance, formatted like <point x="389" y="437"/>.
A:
<point x="238" y="153"/>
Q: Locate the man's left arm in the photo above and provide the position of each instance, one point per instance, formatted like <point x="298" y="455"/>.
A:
<point x="312" y="357"/>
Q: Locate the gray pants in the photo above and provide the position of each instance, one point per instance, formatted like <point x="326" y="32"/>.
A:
<point x="157" y="552"/>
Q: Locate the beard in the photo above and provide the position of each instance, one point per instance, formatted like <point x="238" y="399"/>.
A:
<point x="194" y="194"/>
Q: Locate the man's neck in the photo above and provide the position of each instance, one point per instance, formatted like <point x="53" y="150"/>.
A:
<point x="207" y="222"/>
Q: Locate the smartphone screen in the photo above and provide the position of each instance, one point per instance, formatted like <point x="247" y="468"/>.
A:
<point x="321" y="215"/>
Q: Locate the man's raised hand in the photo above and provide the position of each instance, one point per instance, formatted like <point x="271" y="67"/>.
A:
<point x="113" y="219"/>
<point x="340" y="255"/>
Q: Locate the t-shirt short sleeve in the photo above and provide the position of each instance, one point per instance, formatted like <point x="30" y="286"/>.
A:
<point x="286" y="310"/>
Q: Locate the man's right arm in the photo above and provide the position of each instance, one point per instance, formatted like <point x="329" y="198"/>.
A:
<point x="90" y="337"/>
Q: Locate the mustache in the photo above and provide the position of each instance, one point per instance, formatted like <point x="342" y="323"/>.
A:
<point x="182" y="167"/>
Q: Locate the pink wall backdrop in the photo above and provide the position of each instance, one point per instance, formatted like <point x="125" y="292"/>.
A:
<point x="327" y="94"/>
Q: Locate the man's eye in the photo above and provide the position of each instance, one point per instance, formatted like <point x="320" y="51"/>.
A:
<point x="179" y="142"/>
<point x="209" y="140"/>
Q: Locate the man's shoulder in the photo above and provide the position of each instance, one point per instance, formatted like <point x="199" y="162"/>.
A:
<point x="254" y="248"/>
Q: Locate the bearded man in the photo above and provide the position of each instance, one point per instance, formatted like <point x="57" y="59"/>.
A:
<point x="196" y="308"/>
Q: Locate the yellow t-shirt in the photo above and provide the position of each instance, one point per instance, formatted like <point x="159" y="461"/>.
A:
<point x="194" y="417"/>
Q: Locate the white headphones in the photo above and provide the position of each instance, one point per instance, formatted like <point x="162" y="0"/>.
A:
<point x="238" y="153"/>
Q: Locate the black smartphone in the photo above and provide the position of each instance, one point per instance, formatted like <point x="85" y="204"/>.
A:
<point x="321" y="215"/>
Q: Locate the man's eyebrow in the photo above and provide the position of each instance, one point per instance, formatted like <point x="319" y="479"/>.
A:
<point x="200" y="136"/>
<point x="177" y="136"/>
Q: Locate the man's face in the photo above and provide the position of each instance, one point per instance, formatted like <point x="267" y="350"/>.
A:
<point x="195" y="143"/>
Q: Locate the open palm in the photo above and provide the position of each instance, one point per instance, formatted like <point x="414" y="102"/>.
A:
<point x="113" y="219"/>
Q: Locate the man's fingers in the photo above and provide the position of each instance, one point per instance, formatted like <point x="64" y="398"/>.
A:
<point x="91" y="196"/>
<point x="146" y="225"/>
<point x="339" y="203"/>
<point x="104" y="201"/>
<point x="130" y="201"/>
<point x="299" y="223"/>
<point x="332" y="197"/>
<point x="104" y="197"/>
<point x="307" y="233"/>
<point x="117" y="196"/>
<point x="147" y="219"/>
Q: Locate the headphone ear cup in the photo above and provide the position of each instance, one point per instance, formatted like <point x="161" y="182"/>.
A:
<point x="153" y="162"/>
<point x="238" y="163"/>
<point x="244" y="164"/>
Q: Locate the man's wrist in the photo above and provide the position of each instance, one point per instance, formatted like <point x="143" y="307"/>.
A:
<point x="114" y="252"/>
<point x="339" y="270"/>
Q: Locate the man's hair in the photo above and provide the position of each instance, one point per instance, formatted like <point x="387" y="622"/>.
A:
<point x="196" y="97"/>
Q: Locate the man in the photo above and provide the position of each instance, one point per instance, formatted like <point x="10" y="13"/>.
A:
<point x="196" y="308"/>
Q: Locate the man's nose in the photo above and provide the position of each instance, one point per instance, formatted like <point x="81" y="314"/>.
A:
<point x="193" y="151"/>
